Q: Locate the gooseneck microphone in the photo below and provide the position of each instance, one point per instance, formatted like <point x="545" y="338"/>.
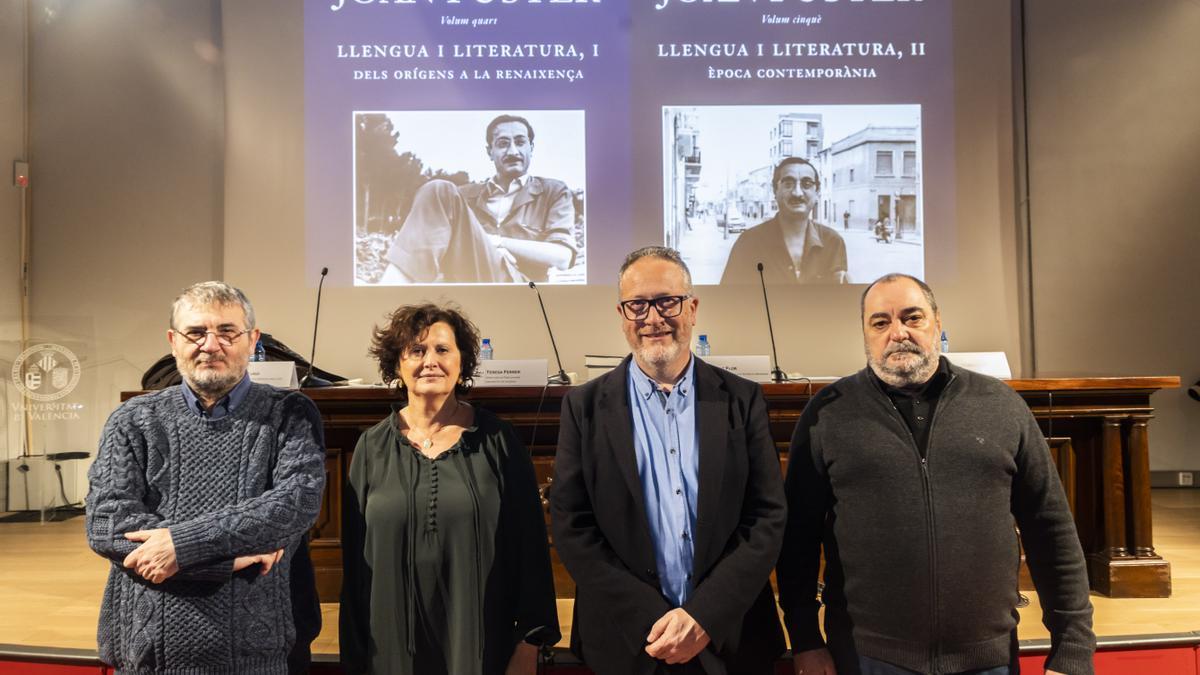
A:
<point x="777" y="375"/>
<point x="308" y="376"/>
<point x="561" y="376"/>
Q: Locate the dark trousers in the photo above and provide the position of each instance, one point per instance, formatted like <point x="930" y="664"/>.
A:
<point x="870" y="666"/>
<point x="690" y="668"/>
<point x="306" y="609"/>
<point x="695" y="667"/>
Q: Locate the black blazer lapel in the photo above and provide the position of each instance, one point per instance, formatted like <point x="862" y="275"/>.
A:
<point x="616" y="420"/>
<point x="712" y="414"/>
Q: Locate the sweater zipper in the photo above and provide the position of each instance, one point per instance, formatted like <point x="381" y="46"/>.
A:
<point x="930" y="539"/>
<point x="934" y="618"/>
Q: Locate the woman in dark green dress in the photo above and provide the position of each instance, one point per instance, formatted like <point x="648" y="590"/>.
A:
<point x="446" y="565"/>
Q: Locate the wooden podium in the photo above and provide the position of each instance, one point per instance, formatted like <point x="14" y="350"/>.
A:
<point x="1097" y="429"/>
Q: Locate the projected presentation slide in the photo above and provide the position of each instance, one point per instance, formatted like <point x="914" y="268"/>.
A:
<point x="500" y="142"/>
<point x="864" y="199"/>
<point x="435" y="203"/>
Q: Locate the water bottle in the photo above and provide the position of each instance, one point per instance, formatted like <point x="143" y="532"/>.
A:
<point x="260" y="354"/>
<point x="703" y="348"/>
<point x="945" y="343"/>
<point x="485" y="352"/>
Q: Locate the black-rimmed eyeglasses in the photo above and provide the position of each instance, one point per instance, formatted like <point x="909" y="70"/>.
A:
<point x="805" y="183"/>
<point x="667" y="306"/>
<point x="224" y="337"/>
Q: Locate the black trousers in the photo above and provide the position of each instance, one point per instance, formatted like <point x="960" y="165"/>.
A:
<point x="306" y="609"/>
<point x="689" y="668"/>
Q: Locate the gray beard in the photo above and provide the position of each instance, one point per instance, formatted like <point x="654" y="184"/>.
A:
<point x="915" y="373"/>
<point x="659" y="356"/>
<point x="210" y="384"/>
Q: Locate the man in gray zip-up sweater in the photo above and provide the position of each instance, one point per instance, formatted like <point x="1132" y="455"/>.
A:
<point x="912" y="473"/>
<point x="200" y="495"/>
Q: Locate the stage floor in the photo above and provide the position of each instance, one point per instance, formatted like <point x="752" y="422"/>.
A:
<point x="51" y="584"/>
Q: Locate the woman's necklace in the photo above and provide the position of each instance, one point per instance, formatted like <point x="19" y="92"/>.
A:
<point x="427" y="442"/>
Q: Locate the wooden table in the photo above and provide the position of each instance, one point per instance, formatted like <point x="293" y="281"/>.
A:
<point x="1097" y="429"/>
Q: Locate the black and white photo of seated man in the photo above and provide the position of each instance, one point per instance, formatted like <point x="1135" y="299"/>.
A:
<point x="792" y="246"/>
<point x="512" y="228"/>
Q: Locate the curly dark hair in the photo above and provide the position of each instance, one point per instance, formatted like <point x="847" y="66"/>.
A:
<point x="409" y="324"/>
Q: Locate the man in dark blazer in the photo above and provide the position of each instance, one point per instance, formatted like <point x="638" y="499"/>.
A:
<point x="667" y="504"/>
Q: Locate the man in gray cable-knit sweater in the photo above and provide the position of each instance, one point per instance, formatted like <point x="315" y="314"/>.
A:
<point x="911" y="474"/>
<point x="200" y="495"/>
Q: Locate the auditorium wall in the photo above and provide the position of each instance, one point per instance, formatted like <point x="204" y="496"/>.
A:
<point x="126" y="128"/>
<point x="1114" y="95"/>
<point x="168" y="148"/>
<point x="12" y="113"/>
<point x="818" y="328"/>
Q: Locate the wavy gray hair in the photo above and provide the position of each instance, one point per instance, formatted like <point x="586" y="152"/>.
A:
<point x="206" y="293"/>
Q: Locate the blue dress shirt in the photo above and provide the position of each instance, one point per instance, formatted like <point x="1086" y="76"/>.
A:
<point x="223" y="407"/>
<point x="668" y="462"/>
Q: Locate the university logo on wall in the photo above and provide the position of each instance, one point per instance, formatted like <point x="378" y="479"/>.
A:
<point x="46" y="372"/>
